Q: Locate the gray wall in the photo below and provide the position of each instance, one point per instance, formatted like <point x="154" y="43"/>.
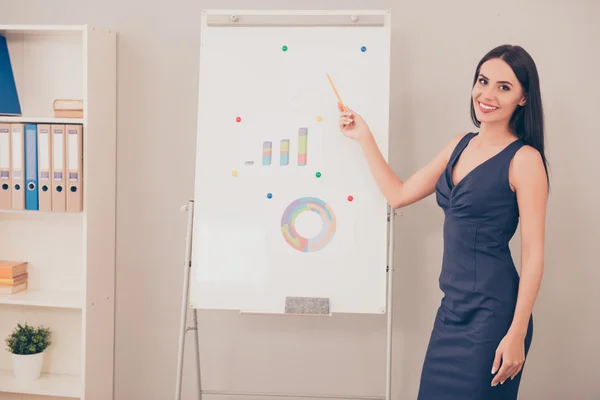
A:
<point x="436" y="46"/>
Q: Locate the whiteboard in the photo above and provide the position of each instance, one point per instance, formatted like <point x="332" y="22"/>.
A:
<point x="284" y="204"/>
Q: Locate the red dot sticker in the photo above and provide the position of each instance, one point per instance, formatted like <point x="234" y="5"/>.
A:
<point x="350" y="198"/>
<point x="238" y="119"/>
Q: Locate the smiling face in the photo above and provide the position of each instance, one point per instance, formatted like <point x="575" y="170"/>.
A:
<point x="497" y="92"/>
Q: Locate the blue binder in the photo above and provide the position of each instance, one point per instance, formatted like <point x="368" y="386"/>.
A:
<point x="31" y="167"/>
<point x="9" y="98"/>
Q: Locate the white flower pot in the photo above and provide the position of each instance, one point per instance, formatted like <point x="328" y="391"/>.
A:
<point x="27" y="367"/>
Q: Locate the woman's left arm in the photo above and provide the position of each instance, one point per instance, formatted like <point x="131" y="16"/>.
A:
<point x="530" y="183"/>
<point x="528" y="179"/>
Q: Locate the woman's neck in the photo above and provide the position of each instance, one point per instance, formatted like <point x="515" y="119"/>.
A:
<point x="491" y="134"/>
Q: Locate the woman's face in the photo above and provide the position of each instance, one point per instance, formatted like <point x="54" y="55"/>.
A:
<point x="497" y="92"/>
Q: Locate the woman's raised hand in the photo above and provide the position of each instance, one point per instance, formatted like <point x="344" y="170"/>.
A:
<point x="352" y="124"/>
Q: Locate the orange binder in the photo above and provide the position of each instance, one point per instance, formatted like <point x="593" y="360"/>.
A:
<point x="44" y="167"/>
<point x="74" y="167"/>
<point x="18" y="166"/>
<point x="15" y="280"/>
<point x="59" y="197"/>
<point x="12" y="269"/>
<point x="5" y="167"/>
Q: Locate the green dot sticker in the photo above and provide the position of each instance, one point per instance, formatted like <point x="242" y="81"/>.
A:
<point x="318" y="174"/>
<point x="284" y="48"/>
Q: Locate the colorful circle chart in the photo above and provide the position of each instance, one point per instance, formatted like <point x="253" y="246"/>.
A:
<point x="288" y="222"/>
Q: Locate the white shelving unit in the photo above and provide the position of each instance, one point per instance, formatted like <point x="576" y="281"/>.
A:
<point x="71" y="256"/>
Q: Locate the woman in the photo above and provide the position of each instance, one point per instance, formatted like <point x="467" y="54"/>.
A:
<point x="483" y="182"/>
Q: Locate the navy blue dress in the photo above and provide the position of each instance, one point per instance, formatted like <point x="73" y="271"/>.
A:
<point x="478" y="279"/>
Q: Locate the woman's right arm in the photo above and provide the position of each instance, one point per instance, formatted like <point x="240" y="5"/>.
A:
<point x="421" y="184"/>
<point x="398" y="193"/>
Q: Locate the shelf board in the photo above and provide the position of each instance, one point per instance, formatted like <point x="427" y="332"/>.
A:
<point x="37" y="212"/>
<point x="40" y="120"/>
<point x="43" y="298"/>
<point x="44" y="29"/>
<point x="59" y="385"/>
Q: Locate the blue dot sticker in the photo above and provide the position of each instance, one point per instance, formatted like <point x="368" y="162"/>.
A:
<point x="363" y="49"/>
<point x="269" y="195"/>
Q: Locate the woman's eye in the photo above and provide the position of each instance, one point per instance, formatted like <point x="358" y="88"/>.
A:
<point x="482" y="81"/>
<point x="504" y="87"/>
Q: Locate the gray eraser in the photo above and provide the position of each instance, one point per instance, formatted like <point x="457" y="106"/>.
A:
<point x="307" y="305"/>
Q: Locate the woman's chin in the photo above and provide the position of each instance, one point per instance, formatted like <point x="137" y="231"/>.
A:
<point x="487" y="118"/>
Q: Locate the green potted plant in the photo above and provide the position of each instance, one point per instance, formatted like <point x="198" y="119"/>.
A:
<point x="27" y="345"/>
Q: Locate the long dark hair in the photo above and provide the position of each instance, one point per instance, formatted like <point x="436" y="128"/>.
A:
<point x="527" y="122"/>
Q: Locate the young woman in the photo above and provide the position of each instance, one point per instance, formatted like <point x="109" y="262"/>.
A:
<point x="484" y="182"/>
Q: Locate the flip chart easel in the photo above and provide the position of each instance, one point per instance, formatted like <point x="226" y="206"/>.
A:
<point x="269" y="153"/>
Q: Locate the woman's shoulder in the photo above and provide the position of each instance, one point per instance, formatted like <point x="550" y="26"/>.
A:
<point x="456" y="139"/>
<point x="527" y="156"/>
<point x="452" y="144"/>
<point x="527" y="167"/>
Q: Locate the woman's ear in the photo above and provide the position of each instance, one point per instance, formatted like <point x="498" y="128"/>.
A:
<point x="523" y="100"/>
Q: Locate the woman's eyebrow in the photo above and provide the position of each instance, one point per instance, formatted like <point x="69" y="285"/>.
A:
<point x="485" y="77"/>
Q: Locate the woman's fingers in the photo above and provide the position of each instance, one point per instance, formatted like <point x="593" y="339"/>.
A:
<point x="514" y="375"/>
<point x="346" y="119"/>
<point x="345" y="124"/>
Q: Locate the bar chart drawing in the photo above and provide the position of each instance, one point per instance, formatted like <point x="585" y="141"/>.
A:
<point x="302" y="142"/>
<point x="267" y="153"/>
<point x="284" y="151"/>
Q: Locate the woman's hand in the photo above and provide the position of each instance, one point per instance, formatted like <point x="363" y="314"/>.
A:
<point x="511" y="351"/>
<point x="351" y="124"/>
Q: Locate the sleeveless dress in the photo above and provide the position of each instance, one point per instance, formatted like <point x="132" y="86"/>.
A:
<point x="478" y="279"/>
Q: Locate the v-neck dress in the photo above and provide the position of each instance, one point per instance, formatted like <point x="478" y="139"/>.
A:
<point x="478" y="280"/>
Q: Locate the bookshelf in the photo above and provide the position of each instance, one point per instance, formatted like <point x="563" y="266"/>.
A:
<point x="70" y="255"/>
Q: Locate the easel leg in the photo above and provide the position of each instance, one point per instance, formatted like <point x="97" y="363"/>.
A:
<point x="390" y="291"/>
<point x="184" y="303"/>
<point x="197" y="354"/>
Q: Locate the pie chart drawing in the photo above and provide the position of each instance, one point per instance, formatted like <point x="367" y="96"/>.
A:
<point x="288" y="224"/>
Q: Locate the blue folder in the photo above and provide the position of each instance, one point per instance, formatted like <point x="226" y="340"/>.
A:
<point x="31" y="168"/>
<point x="9" y="98"/>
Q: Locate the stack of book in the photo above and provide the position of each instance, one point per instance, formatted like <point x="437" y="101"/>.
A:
<point x="68" y="108"/>
<point x="13" y="276"/>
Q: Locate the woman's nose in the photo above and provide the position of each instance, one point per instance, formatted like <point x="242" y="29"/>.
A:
<point x="488" y="92"/>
